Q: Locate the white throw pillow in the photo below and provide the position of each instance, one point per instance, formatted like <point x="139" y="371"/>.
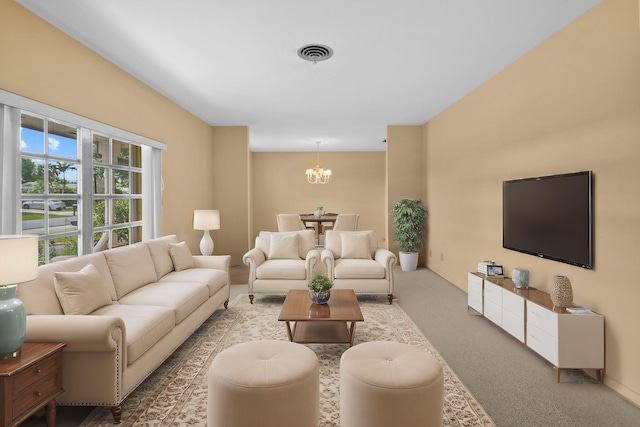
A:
<point x="81" y="292"/>
<point x="181" y="256"/>
<point x="355" y="245"/>
<point x="284" y="246"/>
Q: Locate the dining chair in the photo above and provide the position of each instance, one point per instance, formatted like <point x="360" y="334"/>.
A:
<point x="289" y="222"/>
<point x="346" y="222"/>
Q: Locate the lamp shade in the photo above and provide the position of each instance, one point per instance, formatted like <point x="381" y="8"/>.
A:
<point x="206" y="219"/>
<point x="18" y="259"/>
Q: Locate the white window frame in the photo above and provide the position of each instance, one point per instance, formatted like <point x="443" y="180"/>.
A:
<point x="11" y="107"/>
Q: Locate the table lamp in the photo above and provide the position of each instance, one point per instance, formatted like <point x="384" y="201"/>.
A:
<point x="18" y="264"/>
<point x="206" y="219"/>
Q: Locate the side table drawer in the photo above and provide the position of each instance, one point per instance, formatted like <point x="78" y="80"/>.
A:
<point x="36" y="395"/>
<point x="34" y="373"/>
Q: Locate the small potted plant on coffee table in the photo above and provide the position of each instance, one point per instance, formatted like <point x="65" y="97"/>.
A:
<point x="319" y="288"/>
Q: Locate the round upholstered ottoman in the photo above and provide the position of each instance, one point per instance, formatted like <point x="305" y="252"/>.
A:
<point x="385" y="383"/>
<point x="264" y="384"/>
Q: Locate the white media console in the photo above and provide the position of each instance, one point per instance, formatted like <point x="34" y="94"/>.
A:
<point x="566" y="340"/>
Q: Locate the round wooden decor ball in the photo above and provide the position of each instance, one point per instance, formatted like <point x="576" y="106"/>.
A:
<point x="561" y="292"/>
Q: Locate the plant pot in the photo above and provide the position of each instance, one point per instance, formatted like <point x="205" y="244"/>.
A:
<point x="408" y="261"/>
<point x="317" y="214"/>
<point x="319" y="297"/>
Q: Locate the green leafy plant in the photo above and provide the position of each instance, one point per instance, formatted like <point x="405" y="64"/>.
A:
<point x="409" y="216"/>
<point x="319" y="283"/>
<point x="319" y="208"/>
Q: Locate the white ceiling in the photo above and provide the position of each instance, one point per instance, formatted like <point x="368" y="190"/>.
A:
<point x="234" y="62"/>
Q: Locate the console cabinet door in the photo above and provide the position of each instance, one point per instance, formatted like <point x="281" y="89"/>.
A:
<point x="493" y="302"/>
<point x="474" y="292"/>
<point x="513" y="308"/>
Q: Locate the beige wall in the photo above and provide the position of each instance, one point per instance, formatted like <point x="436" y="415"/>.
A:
<point x="44" y="64"/>
<point x="571" y="104"/>
<point x="230" y="189"/>
<point x="405" y="169"/>
<point x="357" y="185"/>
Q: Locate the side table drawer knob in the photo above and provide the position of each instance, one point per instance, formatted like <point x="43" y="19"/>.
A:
<point x="38" y="393"/>
<point x="38" y="371"/>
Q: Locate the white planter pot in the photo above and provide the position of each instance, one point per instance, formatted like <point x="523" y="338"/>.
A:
<point x="408" y="261"/>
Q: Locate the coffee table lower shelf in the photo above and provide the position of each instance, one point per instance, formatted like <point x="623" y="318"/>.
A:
<point x="330" y="332"/>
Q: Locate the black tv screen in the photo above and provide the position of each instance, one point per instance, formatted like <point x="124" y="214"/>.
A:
<point x="550" y="217"/>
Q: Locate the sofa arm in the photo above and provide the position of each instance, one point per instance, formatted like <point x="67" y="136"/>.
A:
<point x="329" y="261"/>
<point x="310" y="262"/>
<point x="253" y="259"/>
<point x="218" y="262"/>
<point x="79" y="332"/>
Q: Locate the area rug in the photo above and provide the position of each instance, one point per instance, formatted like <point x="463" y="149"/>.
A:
<point x="176" y="393"/>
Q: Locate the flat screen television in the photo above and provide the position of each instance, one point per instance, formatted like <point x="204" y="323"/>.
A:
<point x="550" y="217"/>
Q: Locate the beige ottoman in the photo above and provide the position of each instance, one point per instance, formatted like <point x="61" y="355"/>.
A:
<point x="385" y="383"/>
<point x="264" y="384"/>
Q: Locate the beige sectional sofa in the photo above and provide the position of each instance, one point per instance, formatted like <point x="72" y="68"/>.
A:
<point x="121" y="313"/>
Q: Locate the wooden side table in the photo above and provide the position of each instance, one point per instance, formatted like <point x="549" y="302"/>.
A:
<point x="29" y="382"/>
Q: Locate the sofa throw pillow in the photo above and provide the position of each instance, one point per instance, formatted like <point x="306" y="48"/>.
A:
<point x="355" y="245"/>
<point x="181" y="256"/>
<point x="284" y="246"/>
<point x="81" y="292"/>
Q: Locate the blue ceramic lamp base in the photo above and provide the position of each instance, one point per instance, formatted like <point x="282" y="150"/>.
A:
<point x="13" y="322"/>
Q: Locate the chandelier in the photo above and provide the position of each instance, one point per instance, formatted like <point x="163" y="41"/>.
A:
<point x="318" y="175"/>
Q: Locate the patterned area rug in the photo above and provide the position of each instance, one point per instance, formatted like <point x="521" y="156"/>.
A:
<point x="176" y="393"/>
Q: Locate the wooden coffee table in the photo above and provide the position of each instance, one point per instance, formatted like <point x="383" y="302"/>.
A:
<point x="334" y="322"/>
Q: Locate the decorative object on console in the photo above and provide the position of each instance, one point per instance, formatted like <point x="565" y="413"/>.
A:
<point x="561" y="292"/>
<point x="495" y="270"/>
<point x="319" y="211"/>
<point x="206" y="219"/>
<point x="319" y="288"/>
<point x="18" y="264"/>
<point x="318" y="175"/>
<point x="520" y="277"/>
<point x="409" y="216"/>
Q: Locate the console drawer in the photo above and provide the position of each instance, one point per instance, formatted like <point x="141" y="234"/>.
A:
<point x="543" y="344"/>
<point x="542" y="318"/>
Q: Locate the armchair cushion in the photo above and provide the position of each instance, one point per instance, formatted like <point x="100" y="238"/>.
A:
<point x="355" y="245"/>
<point x="81" y="292"/>
<point x="283" y="246"/>
<point x="282" y="269"/>
<point x="347" y="268"/>
<point x="306" y="241"/>
<point x="333" y="241"/>
<point x="181" y="256"/>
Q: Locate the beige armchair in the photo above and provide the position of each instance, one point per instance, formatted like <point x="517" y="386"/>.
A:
<point x="354" y="261"/>
<point x="281" y="261"/>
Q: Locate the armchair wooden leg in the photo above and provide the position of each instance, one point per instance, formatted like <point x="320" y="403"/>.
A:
<point x="390" y="298"/>
<point x="251" y="298"/>
<point x="226" y="304"/>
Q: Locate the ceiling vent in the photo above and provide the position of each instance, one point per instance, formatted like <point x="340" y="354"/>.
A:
<point x="315" y="52"/>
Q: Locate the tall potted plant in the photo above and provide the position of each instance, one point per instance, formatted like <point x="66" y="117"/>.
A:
<point x="409" y="216"/>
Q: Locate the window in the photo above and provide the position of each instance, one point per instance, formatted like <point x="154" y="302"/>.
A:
<point x="80" y="185"/>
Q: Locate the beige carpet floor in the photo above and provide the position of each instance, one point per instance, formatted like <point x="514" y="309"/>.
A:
<point x="175" y="395"/>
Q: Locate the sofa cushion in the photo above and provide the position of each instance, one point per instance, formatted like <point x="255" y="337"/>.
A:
<point x="181" y="256"/>
<point x="144" y="324"/>
<point x="159" y="249"/>
<point x="182" y="298"/>
<point x="281" y="269"/>
<point x="131" y="267"/>
<point x="333" y="241"/>
<point x="355" y="245"/>
<point x="214" y="279"/>
<point x="306" y="241"/>
<point x="358" y="269"/>
<point x="283" y="246"/>
<point x="39" y="295"/>
<point x="81" y="292"/>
